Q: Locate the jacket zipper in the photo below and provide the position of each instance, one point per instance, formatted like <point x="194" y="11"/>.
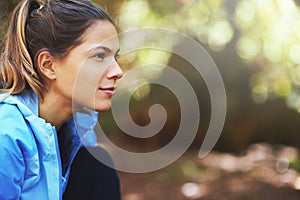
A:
<point x="61" y="179"/>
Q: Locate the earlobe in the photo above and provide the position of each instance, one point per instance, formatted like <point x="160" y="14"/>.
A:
<point x="45" y="63"/>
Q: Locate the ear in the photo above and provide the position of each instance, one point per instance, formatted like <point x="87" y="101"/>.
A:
<point x="45" y="63"/>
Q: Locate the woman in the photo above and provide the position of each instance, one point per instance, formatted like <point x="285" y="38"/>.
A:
<point x="59" y="59"/>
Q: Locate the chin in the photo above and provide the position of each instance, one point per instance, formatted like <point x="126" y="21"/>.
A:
<point x="102" y="107"/>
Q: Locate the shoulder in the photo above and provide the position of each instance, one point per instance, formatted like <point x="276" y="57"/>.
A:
<point x="8" y="110"/>
<point x="15" y="133"/>
<point x="11" y="118"/>
<point x="14" y="128"/>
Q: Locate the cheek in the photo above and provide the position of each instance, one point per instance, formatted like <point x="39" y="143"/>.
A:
<point x="85" y="84"/>
<point x="66" y="77"/>
<point x="63" y="85"/>
<point x="85" y="90"/>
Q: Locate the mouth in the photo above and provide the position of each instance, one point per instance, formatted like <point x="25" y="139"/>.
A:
<point x="110" y="91"/>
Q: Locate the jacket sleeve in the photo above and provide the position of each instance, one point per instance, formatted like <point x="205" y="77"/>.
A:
<point x="11" y="168"/>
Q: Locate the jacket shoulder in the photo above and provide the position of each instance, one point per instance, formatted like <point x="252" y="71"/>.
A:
<point x="14" y="130"/>
<point x="12" y="120"/>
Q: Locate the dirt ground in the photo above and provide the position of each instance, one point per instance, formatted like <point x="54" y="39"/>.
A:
<point x="261" y="173"/>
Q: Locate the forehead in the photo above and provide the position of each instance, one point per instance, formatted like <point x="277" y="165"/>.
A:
<point x="100" y="33"/>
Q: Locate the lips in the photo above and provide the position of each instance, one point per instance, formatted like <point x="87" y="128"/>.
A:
<point x="108" y="90"/>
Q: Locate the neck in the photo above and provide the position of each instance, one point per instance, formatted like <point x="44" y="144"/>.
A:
<point x="54" y="110"/>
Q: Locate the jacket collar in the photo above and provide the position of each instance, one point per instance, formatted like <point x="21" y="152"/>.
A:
<point x="30" y="99"/>
<point x="81" y="124"/>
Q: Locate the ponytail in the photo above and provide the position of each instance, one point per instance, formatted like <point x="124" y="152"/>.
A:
<point x="16" y="67"/>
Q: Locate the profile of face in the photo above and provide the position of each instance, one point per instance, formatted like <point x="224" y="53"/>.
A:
<point x="88" y="75"/>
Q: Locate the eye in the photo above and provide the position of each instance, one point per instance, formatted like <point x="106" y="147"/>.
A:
<point x="100" y="56"/>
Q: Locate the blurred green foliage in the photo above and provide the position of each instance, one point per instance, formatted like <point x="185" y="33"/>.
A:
<point x="264" y="32"/>
<point x="295" y="164"/>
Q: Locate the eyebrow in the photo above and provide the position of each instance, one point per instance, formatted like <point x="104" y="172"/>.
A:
<point x="106" y="49"/>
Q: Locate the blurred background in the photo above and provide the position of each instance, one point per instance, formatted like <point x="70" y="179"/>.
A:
<point x="256" y="47"/>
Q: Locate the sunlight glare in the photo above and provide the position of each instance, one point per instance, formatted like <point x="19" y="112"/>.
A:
<point x="133" y="12"/>
<point x="220" y="33"/>
<point x="247" y="48"/>
<point x="244" y="14"/>
<point x="294" y="53"/>
<point x="282" y="86"/>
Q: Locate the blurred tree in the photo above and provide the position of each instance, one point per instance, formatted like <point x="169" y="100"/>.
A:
<point x="5" y="9"/>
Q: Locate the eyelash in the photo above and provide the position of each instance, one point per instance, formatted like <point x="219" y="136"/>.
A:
<point x="117" y="56"/>
<point x="100" y="55"/>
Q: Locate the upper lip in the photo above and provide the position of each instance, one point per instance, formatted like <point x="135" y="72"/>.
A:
<point x="107" y="88"/>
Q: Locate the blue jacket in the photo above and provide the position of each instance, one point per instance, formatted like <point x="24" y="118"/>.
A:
<point x="30" y="161"/>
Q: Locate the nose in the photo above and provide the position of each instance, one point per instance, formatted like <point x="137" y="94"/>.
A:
<point x="115" y="72"/>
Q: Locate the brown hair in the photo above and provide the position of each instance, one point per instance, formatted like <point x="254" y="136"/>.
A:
<point x="55" y="26"/>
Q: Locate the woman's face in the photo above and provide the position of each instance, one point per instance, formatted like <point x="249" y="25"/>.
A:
<point x="87" y="76"/>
